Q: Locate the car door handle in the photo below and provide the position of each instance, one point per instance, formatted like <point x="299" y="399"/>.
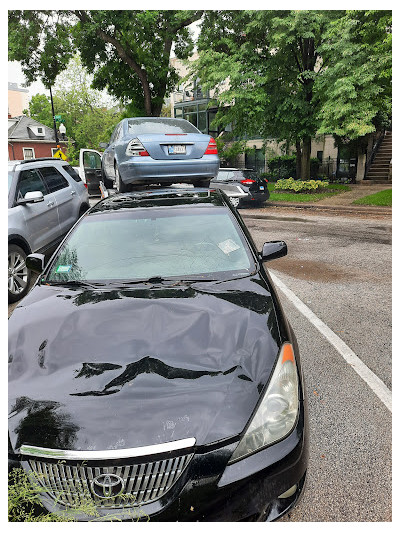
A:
<point x="72" y="193"/>
<point x="50" y="204"/>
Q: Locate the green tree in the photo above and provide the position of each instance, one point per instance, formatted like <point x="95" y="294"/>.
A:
<point x="273" y="72"/>
<point x="127" y="51"/>
<point x="88" y="115"/>
<point x="40" y="109"/>
<point x="356" y="86"/>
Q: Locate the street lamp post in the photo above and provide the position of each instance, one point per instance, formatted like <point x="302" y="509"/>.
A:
<point x="54" y="118"/>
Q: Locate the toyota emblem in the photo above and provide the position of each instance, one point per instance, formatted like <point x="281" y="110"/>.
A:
<point x="107" y="485"/>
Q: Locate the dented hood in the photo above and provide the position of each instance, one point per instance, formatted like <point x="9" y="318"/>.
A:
<point x="110" y="369"/>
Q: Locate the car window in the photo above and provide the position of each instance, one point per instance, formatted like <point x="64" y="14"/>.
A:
<point x="224" y="175"/>
<point x="115" y="133"/>
<point x="53" y="179"/>
<point x="29" y="181"/>
<point x="249" y="174"/>
<point x="160" y="125"/>
<point x="158" y="242"/>
<point x="72" y="172"/>
<point x="91" y="160"/>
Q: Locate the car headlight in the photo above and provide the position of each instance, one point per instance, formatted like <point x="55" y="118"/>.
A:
<point x="277" y="413"/>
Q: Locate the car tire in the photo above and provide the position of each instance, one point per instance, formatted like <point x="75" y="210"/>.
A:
<point x="19" y="276"/>
<point x="235" y="201"/>
<point x="83" y="208"/>
<point x="202" y="183"/>
<point x="108" y="183"/>
<point x="120" y="185"/>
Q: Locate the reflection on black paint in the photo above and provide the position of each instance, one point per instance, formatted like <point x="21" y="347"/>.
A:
<point x="42" y="354"/>
<point x="44" y="424"/>
<point x="89" y="370"/>
<point x="149" y="365"/>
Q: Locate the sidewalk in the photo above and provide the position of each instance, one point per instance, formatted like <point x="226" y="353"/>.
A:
<point x="339" y="203"/>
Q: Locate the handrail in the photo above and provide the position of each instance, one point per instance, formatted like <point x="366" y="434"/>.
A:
<point x="374" y="151"/>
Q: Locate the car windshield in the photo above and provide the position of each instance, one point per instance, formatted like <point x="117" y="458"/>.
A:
<point x="141" y="125"/>
<point x="139" y="244"/>
<point x="235" y="175"/>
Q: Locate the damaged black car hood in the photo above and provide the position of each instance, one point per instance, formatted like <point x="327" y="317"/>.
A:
<point x="118" y="368"/>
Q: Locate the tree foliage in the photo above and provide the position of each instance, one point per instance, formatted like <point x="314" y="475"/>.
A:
<point x="282" y="74"/>
<point x="357" y="82"/>
<point x="86" y="112"/>
<point x="126" y="51"/>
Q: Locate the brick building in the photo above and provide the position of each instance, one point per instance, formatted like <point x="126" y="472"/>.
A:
<point x="29" y="139"/>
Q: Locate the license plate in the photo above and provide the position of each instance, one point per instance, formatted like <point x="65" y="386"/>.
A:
<point x="176" y="149"/>
<point x="261" y="187"/>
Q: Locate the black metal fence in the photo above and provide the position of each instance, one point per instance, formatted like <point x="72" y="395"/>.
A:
<point x="336" y="170"/>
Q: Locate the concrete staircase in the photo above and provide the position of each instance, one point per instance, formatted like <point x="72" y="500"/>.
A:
<point x="380" y="169"/>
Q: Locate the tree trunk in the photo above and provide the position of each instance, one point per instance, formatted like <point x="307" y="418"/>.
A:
<point x="305" y="158"/>
<point x="298" y="160"/>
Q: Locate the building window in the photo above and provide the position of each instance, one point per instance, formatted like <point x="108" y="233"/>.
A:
<point x="29" y="153"/>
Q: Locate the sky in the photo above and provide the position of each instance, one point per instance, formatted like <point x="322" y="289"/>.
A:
<point x="15" y="76"/>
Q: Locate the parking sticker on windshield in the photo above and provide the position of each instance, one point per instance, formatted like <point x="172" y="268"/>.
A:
<point x="63" y="268"/>
<point x="228" y="246"/>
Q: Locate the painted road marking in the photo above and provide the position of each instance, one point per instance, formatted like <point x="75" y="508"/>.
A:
<point x="376" y="384"/>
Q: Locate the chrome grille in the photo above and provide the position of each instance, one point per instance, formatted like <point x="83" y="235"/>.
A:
<point x="71" y="485"/>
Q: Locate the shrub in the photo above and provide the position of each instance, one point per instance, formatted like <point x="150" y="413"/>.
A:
<point x="283" y="166"/>
<point x="300" y="186"/>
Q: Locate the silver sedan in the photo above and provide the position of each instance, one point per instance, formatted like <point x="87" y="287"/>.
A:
<point x="159" y="150"/>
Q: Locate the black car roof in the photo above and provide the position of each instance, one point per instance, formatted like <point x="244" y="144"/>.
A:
<point x="160" y="197"/>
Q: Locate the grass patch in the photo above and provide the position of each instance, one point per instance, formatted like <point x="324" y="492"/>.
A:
<point x="334" y="188"/>
<point x="24" y="504"/>
<point x="383" y="198"/>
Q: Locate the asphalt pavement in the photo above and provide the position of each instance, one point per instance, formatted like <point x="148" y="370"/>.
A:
<point x="340" y="269"/>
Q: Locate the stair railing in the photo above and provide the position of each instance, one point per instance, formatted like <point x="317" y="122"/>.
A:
<point x="374" y="151"/>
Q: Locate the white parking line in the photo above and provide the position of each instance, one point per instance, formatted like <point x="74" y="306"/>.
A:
<point x="376" y="384"/>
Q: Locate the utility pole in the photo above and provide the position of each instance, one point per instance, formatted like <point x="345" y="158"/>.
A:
<point x="54" y="118"/>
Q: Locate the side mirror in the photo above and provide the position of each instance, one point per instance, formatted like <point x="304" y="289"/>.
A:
<point x="35" y="262"/>
<point x="104" y="145"/>
<point x="273" y="250"/>
<point x="31" y="198"/>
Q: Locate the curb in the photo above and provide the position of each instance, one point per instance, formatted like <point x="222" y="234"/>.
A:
<point x="371" y="210"/>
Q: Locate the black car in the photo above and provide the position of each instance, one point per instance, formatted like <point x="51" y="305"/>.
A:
<point x="243" y="186"/>
<point x="152" y="370"/>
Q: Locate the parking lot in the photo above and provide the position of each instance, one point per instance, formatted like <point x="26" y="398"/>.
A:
<point x="335" y="287"/>
<point x="340" y="270"/>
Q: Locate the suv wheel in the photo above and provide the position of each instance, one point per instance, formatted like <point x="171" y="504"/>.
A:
<point x="19" y="276"/>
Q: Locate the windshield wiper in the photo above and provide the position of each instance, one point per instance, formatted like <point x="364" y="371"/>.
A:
<point x="72" y="283"/>
<point x="158" y="280"/>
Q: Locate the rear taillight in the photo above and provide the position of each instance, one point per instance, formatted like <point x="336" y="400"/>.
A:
<point x="85" y="184"/>
<point x="211" y="148"/>
<point x="247" y="182"/>
<point x="135" y="148"/>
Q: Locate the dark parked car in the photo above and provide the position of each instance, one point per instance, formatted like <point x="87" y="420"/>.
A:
<point x="147" y="150"/>
<point x="152" y="370"/>
<point x="45" y="198"/>
<point x="243" y="186"/>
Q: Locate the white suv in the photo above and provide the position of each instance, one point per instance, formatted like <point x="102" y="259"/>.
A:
<point x="45" y="198"/>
